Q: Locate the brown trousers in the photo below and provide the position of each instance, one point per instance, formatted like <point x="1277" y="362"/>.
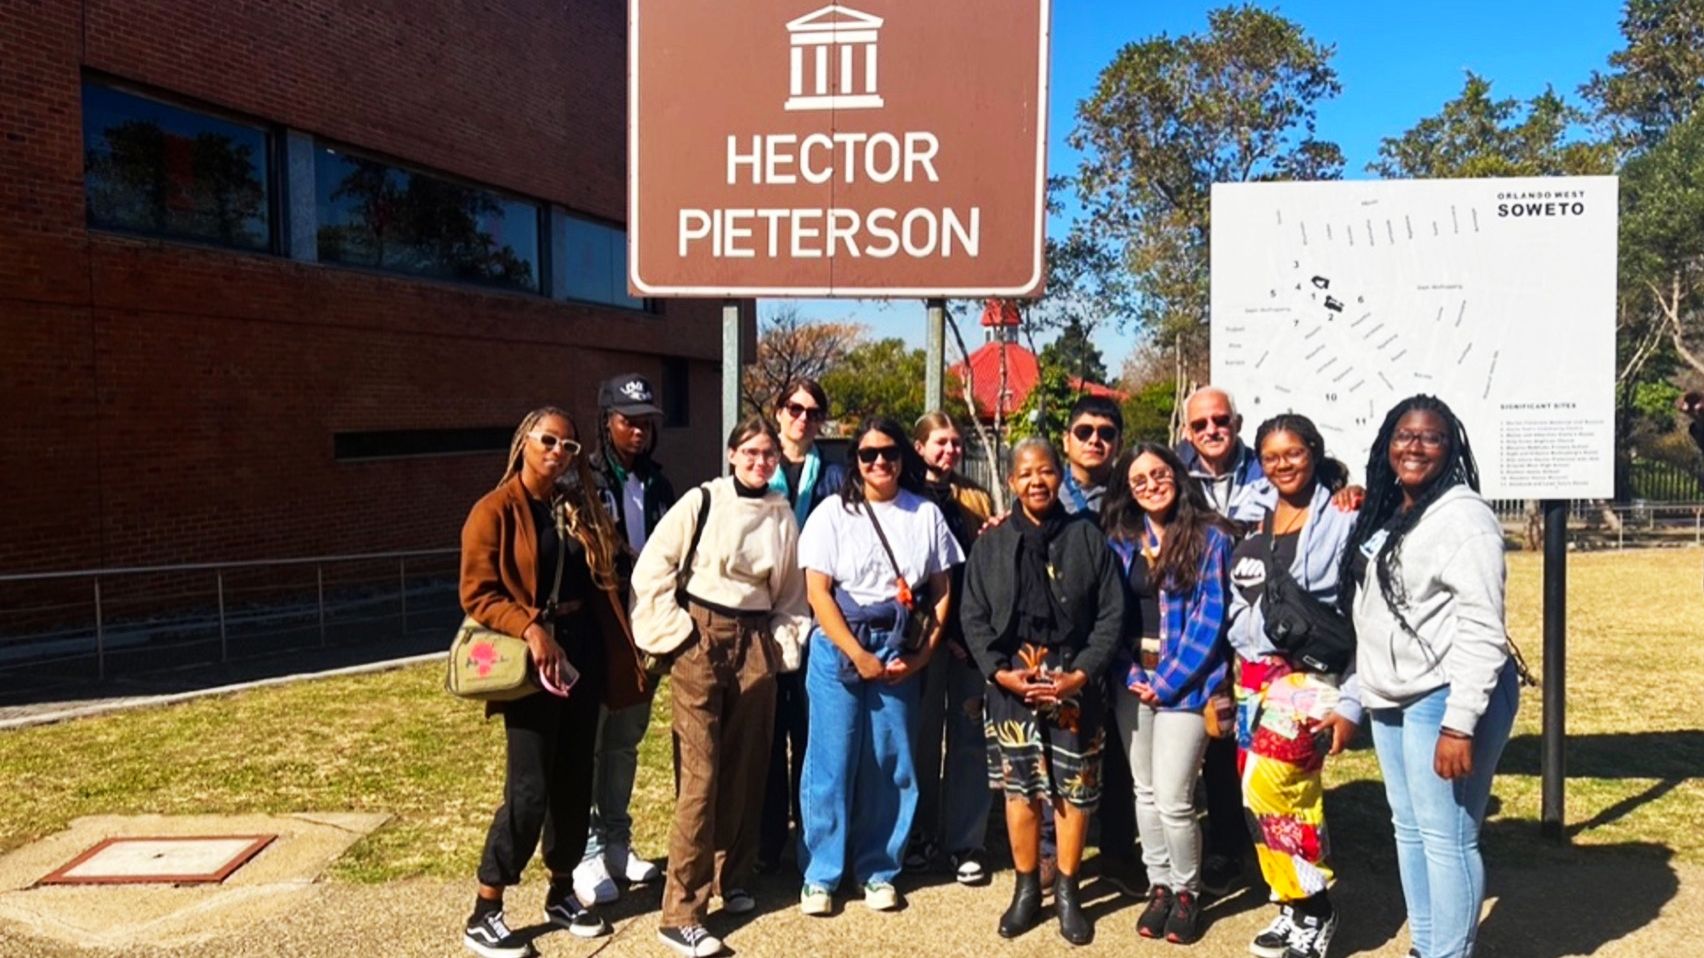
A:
<point x="723" y="687"/>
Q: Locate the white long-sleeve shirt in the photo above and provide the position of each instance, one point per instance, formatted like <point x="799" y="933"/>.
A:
<point x="747" y="559"/>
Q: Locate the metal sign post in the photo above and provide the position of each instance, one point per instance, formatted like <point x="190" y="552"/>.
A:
<point x="934" y="386"/>
<point x="1552" y="765"/>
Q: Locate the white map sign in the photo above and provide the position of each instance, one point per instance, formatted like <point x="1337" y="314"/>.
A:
<point x="1339" y="299"/>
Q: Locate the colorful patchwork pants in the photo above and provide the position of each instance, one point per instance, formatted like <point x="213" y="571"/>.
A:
<point x="1280" y="759"/>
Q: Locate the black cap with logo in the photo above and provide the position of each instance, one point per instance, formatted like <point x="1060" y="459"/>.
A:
<point x="629" y="394"/>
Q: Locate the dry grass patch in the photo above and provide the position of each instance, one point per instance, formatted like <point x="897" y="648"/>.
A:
<point x="394" y="742"/>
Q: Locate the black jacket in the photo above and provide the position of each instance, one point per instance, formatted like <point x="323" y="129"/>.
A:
<point x="659" y="495"/>
<point x="1089" y="589"/>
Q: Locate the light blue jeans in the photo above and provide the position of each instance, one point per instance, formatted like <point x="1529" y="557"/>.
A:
<point x="952" y="804"/>
<point x="859" y="792"/>
<point x="1437" y="820"/>
<point x="614" y="767"/>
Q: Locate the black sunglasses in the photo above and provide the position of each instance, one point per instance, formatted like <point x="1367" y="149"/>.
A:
<point x="809" y="413"/>
<point x="1220" y="421"/>
<point x="869" y="454"/>
<point x="1108" y="434"/>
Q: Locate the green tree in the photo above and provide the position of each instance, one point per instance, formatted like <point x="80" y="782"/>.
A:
<point x="1662" y="236"/>
<point x="1043" y="410"/>
<point x="1475" y="135"/>
<point x="1073" y="351"/>
<point x="882" y="378"/>
<point x="1657" y="80"/>
<point x="1148" y="413"/>
<point x="1168" y="118"/>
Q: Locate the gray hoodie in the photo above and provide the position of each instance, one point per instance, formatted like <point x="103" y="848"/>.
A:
<point x="1452" y="573"/>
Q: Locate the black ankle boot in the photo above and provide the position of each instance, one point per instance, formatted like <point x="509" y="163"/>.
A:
<point x="1074" y="926"/>
<point x="1026" y="904"/>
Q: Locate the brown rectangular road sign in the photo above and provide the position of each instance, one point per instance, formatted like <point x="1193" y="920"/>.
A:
<point x="881" y="148"/>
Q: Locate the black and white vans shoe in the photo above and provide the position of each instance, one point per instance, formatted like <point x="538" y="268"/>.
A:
<point x="692" y="941"/>
<point x="581" y="922"/>
<point x="489" y="937"/>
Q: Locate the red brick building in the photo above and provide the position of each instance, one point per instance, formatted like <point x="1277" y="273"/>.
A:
<point x="279" y="279"/>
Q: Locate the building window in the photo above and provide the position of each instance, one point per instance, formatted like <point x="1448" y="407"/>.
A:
<point x="677" y="392"/>
<point x="379" y="215"/>
<point x="597" y="263"/>
<point x="150" y="167"/>
<point x="396" y="443"/>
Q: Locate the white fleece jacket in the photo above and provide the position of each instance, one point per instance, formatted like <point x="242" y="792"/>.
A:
<point x="1452" y="573"/>
<point x="747" y="559"/>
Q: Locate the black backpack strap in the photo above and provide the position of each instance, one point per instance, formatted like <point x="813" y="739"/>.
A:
<point x="883" y="537"/>
<point x="697" y="534"/>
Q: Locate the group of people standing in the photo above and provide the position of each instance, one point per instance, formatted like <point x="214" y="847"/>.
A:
<point x="870" y="652"/>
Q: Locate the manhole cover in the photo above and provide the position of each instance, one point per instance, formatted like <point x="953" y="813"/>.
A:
<point x="185" y="859"/>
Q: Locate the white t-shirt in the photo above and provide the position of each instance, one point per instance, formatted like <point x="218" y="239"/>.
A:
<point x="843" y="545"/>
<point x="633" y="509"/>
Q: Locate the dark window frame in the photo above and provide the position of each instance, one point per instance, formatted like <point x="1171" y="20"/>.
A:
<point x="541" y="220"/>
<point x="380" y="445"/>
<point x="650" y="305"/>
<point x="273" y="180"/>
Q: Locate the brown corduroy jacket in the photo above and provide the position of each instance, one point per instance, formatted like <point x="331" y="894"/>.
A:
<point x="499" y="587"/>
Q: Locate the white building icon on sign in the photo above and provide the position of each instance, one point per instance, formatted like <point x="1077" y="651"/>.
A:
<point x="851" y="36"/>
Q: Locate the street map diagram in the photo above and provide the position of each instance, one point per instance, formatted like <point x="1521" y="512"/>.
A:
<point x="1339" y="299"/>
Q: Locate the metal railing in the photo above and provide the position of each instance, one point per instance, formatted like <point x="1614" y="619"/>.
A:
<point x="1610" y="525"/>
<point x="165" y="613"/>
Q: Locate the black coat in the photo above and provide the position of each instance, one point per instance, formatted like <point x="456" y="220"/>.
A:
<point x="1088" y="587"/>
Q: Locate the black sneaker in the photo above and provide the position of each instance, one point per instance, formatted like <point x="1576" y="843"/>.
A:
<point x="1183" y="925"/>
<point x="918" y="855"/>
<point x="969" y="868"/>
<point x="1274" y="938"/>
<point x="581" y="922"/>
<point x="1219" y="874"/>
<point x="1310" y="936"/>
<point x="489" y="937"/>
<point x="1152" y="924"/>
<point x="693" y="941"/>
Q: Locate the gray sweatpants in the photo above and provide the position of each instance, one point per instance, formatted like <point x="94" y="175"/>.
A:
<point x="1165" y="750"/>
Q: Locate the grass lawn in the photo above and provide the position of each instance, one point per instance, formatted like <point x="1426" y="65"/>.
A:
<point x="394" y="742"/>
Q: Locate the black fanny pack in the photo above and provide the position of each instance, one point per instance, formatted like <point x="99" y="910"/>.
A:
<point x="1315" y="637"/>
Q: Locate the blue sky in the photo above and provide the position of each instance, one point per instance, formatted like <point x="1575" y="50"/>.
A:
<point x="1397" y="62"/>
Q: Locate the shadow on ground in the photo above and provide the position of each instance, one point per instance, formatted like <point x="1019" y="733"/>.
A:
<point x="1550" y="900"/>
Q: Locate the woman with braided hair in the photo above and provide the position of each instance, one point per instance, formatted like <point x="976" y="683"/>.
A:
<point x="542" y="517"/>
<point x="1423" y="578"/>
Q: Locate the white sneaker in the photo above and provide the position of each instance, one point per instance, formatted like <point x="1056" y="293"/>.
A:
<point x="621" y="861"/>
<point x="815" y="900"/>
<point x="880" y="896"/>
<point x="593" y="884"/>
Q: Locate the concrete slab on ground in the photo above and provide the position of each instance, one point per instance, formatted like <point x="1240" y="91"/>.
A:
<point x="276" y="882"/>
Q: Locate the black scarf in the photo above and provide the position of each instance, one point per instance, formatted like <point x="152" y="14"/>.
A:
<point x="1040" y="619"/>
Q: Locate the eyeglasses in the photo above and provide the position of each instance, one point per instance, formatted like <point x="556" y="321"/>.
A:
<point x="767" y="454"/>
<point x="1084" y="431"/>
<point x="549" y="441"/>
<point x="1426" y="437"/>
<point x="807" y="413"/>
<point x="869" y="454"/>
<point x="1294" y="457"/>
<point x="1221" y="421"/>
<point x="1153" y="481"/>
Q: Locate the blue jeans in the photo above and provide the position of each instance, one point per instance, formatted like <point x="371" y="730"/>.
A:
<point x="859" y="792"/>
<point x="1437" y="820"/>
<point x="613" y="771"/>
<point x="952" y="805"/>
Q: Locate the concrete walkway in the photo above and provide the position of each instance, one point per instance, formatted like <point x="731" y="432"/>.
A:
<point x="1623" y="908"/>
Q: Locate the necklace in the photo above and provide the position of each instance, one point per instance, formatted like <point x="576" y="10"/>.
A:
<point x="1297" y="520"/>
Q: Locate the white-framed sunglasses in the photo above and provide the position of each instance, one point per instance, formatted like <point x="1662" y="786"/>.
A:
<point x="550" y="441"/>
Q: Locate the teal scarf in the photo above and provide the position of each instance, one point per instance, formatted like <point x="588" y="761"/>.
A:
<point x="808" y="477"/>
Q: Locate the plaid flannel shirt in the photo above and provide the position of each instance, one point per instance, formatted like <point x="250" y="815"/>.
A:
<point x="1193" y="655"/>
